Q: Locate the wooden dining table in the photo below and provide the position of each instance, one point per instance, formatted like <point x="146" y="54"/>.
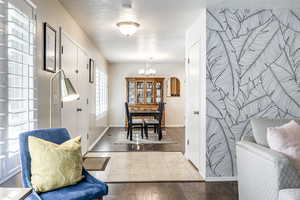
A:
<point x="144" y="113"/>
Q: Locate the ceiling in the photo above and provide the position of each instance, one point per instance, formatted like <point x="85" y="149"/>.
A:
<point x="161" y="34"/>
<point x="163" y="25"/>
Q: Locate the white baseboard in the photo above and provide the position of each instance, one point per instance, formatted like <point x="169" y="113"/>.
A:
<point x="221" y="179"/>
<point x="175" y="126"/>
<point x="98" y="139"/>
<point x="14" y="173"/>
<point x="117" y="126"/>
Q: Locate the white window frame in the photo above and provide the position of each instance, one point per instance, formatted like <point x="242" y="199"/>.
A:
<point x="101" y="93"/>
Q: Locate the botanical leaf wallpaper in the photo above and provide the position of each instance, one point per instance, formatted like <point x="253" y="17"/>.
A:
<point x="253" y="70"/>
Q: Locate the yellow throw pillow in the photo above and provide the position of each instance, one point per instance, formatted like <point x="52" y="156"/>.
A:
<point x="54" y="166"/>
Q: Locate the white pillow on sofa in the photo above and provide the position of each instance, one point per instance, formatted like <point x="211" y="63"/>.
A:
<point x="260" y="125"/>
<point x="286" y="139"/>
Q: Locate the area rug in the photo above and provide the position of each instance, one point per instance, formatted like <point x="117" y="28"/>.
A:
<point x="127" y="167"/>
<point x="95" y="163"/>
<point x="137" y="138"/>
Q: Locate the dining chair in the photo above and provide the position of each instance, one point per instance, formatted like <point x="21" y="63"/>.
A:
<point x="88" y="189"/>
<point x="156" y="122"/>
<point x="133" y="123"/>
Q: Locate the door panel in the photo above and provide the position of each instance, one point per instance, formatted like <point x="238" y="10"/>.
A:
<point x="75" y="114"/>
<point x="69" y="63"/>
<point x="83" y="108"/>
<point x="193" y="106"/>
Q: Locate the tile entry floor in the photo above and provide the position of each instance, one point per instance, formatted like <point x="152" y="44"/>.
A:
<point x="145" y="167"/>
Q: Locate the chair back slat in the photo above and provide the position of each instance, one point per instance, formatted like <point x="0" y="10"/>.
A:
<point x="161" y="108"/>
<point x="127" y="112"/>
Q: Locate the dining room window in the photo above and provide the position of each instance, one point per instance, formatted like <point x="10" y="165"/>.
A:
<point x="18" y="77"/>
<point x="101" y="93"/>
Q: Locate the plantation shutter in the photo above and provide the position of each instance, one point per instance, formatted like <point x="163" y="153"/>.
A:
<point x="18" y="80"/>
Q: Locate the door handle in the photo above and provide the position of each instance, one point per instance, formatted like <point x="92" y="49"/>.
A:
<point x="196" y="113"/>
<point x="79" y="109"/>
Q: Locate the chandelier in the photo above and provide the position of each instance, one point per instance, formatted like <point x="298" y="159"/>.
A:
<point x="148" y="70"/>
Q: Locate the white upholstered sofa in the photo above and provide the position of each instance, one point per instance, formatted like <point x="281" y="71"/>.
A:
<point x="264" y="174"/>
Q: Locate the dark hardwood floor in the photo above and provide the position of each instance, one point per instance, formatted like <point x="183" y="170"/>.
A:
<point x="156" y="191"/>
<point x="106" y="144"/>
<point x="173" y="191"/>
<point x="163" y="191"/>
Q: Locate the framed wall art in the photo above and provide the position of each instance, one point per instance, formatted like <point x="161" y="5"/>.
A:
<point x="91" y="71"/>
<point x="49" y="48"/>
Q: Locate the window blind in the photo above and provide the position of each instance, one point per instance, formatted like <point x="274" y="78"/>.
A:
<point x="18" y="88"/>
<point x="101" y="92"/>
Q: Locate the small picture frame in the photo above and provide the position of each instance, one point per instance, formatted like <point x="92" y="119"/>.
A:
<point x="91" y="70"/>
<point x="49" y="48"/>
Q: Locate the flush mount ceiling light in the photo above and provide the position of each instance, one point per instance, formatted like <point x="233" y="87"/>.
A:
<point x="128" y="28"/>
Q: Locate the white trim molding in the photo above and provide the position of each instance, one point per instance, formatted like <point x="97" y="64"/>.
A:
<point x="221" y="179"/>
<point x="12" y="174"/>
<point x="175" y="126"/>
<point x="116" y="126"/>
<point x="98" y="139"/>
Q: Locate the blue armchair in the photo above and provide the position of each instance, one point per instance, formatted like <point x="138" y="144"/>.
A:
<point x="87" y="189"/>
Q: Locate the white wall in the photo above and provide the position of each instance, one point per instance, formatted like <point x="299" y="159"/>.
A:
<point x="52" y="12"/>
<point x="117" y="92"/>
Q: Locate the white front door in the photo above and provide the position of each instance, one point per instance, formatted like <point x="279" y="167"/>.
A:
<point x="82" y="86"/>
<point x="193" y="106"/>
<point x="75" y="114"/>
<point x="69" y="65"/>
